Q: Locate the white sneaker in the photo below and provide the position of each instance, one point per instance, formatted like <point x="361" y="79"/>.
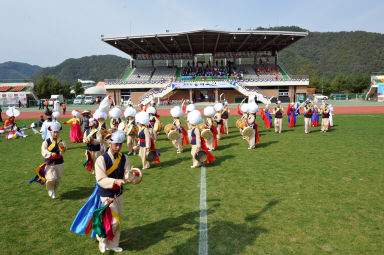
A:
<point x="115" y="249"/>
<point x="129" y="153"/>
<point x="102" y="247"/>
<point x="50" y="193"/>
<point x="93" y="172"/>
<point x="134" y="153"/>
<point x="53" y="195"/>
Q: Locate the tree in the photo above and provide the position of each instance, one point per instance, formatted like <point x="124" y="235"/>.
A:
<point x="339" y="83"/>
<point x="46" y="86"/>
<point x="358" y="82"/>
<point x="66" y="90"/>
<point x="78" y="88"/>
<point x="314" y="82"/>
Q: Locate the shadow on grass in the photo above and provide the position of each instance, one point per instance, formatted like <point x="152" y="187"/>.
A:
<point x="265" y="144"/>
<point x="255" y="216"/>
<point x="220" y="159"/>
<point x="231" y="134"/>
<point x="142" y="237"/>
<point x="80" y="146"/>
<point x="172" y="162"/>
<point x="225" y="146"/>
<point x="77" y="193"/>
<point x="227" y="237"/>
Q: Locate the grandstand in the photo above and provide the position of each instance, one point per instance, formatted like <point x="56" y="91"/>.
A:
<point x="200" y="65"/>
<point x="13" y="92"/>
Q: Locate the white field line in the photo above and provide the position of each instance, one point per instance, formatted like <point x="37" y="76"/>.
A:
<point x="203" y="229"/>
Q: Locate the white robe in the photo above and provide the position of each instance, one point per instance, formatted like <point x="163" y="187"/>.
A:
<point x="45" y="134"/>
<point x="330" y="116"/>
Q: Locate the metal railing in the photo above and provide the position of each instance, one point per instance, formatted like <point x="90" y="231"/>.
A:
<point x="282" y="66"/>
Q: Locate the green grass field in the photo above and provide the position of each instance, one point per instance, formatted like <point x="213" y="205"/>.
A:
<point x="294" y="194"/>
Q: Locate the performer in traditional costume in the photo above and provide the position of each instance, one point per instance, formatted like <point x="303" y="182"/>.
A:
<point x="102" y="211"/>
<point x="315" y="117"/>
<point x="217" y="118"/>
<point x="101" y="116"/>
<point x="146" y="142"/>
<point x="266" y="117"/>
<point x="244" y="112"/>
<point x="12" y="113"/>
<point x="225" y="116"/>
<point x="197" y="142"/>
<point x="190" y="107"/>
<point x="103" y="129"/>
<point x="330" y="115"/>
<point x="131" y="129"/>
<point x="45" y="134"/>
<point x="308" y="111"/>
<point x="52" y="150"/>
<point x="209" y="111"/>
<point x="278" y="111"/>
<point x="152" y="121"/>
<point x="75" y="135"/>
<point x="115" y="118"/>
<point x="176" y="113"/>
<point x="325" y="117"/>
<point x="292" y="113"/>
<point x="92" y="138"/>
<point x="84" y="121"/>
<point x="254" y="137"/>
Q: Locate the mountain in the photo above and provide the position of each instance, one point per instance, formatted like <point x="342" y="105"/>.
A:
<point x="96" y="68"/>
<point x="13" y="71"/>
<point x="331" y="53"/>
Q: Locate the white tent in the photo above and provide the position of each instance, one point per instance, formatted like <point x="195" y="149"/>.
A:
<point x="95" y="91"/>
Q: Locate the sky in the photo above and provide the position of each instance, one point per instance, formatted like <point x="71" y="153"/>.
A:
<point x="47" y="32"/>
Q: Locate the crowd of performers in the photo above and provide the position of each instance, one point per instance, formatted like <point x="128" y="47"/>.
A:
<point x="100" y="215"/>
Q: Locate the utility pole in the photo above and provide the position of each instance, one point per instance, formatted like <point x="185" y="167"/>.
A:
<point x="322" y="85"/>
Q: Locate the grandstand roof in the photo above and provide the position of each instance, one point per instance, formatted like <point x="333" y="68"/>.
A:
<point x="205" y="41"/>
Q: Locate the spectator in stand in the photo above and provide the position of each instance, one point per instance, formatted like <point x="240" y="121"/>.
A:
<point x="46" y="103"/>
<point x="41" y="121"/>
<point x="64" y="106"/>
<point x="19" y="104"/>
<point x="213" y="98"/>
<point x="1" y="118"/>
<point x="41" y="105"/>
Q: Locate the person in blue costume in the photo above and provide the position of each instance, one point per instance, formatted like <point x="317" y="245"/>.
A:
<point x="113" y="170"/>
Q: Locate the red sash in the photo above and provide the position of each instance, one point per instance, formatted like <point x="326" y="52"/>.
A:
<point x="154" y="149"/>
<point x="214" y="131"/>
<point x="185" y="136"/>
<point x="210" y="157"/>
<point x="257" y="133"/>
<point x="222" y="129"/>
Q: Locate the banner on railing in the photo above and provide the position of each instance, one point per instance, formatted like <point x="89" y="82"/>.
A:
<point x="11" y="98"/>
<point x="202" y="85"/>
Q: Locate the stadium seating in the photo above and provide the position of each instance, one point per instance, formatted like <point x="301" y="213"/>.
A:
<point x="247" y="70"/>
<point x="163" y="73"/>
<point x="5" y="88"/>
<point x="17" y="88"/>
<point x="140" y="74"/>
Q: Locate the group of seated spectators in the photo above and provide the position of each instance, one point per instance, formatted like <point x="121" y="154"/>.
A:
<point x="267" y="70"/>
<point x="208" y="71"/>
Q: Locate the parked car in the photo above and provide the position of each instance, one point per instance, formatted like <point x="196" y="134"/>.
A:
<point x="320" y="97"/>
<point x="79" y="99"/>
<point x="89" y="100"/>
<point x="54" y="98"/>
